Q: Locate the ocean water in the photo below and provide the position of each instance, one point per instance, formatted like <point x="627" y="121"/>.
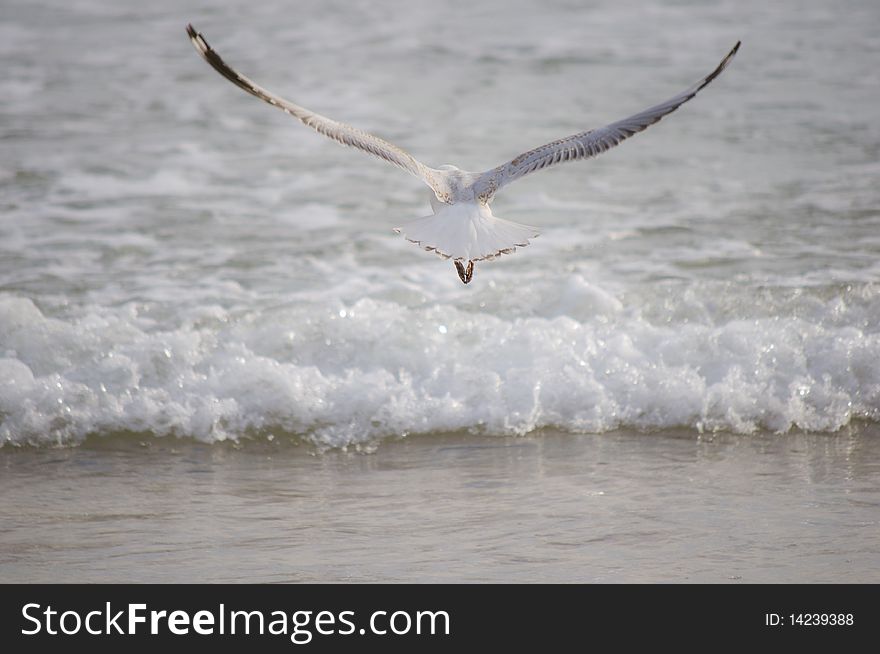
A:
<point x="218" y="362"/>
<point x="180" y="259"/>
<point x="547" y="507"/>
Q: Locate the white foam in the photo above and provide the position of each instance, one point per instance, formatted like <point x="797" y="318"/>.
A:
<point x="341" y="375"/>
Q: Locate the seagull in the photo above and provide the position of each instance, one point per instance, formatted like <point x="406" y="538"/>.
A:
<point x="462" y="227"/>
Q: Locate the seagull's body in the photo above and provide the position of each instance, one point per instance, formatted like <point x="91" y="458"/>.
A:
<point x="462" y="227"/>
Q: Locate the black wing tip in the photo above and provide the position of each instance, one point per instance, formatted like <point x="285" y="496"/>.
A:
<point x="210" y="55"/>
<point x="730" y="54"/>
<point x="194" y="36"/>
<point x="715" y="73"/>
<point x="197" y="39"/>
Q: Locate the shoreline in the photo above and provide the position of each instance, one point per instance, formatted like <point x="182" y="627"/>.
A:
<point x="279" y="441"/>
<point x="552" y="507"/>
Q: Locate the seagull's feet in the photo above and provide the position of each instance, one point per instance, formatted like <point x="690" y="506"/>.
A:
<point x="465" y="274"/>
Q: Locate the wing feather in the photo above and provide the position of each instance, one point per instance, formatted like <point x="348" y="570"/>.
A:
<point x="339" y="132"/>
<point x="591" y="143"/>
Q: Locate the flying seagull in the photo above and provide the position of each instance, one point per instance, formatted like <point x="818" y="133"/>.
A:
<point x="463" y="228"/>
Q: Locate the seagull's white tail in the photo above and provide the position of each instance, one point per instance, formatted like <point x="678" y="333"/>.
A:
<point x="467" y="231"/>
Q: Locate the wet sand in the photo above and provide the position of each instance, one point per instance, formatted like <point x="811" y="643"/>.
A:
<point x="550" y="507"/>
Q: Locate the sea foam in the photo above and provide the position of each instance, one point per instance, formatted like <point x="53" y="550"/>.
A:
<point x="341" y="375"/>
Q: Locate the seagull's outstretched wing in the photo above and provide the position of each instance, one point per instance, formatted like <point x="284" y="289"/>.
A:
<point x="590" y="143"/>
<point x="339" y="132"/>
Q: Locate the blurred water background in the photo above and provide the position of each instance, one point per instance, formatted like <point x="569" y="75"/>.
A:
<point x="180" y="261"/>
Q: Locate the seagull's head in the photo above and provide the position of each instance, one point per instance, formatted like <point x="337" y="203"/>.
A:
<point x="448" y="167"/>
